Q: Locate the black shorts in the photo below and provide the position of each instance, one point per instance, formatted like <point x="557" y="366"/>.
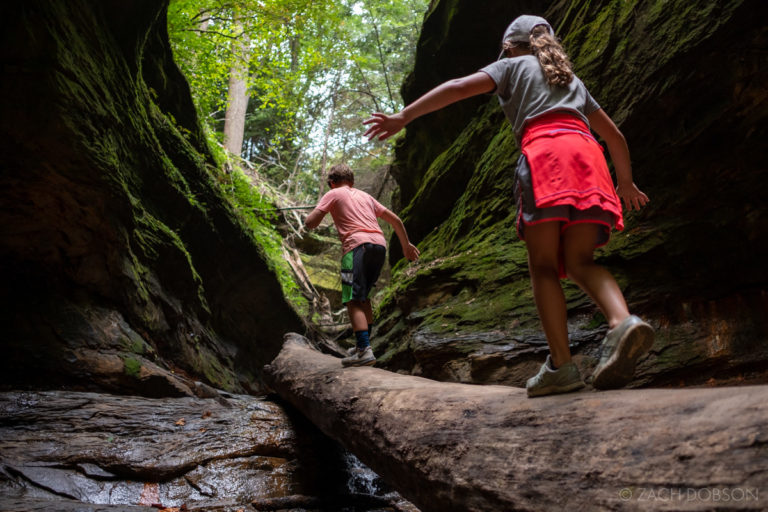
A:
<point x="360" y="268"/>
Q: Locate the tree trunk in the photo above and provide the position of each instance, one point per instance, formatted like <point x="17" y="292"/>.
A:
<point x="237" y="96"/>
<point x="205" y="20"/>
<point x="327" y="135"/>
<point x="448" y="446"/>
<point x="382" y="61"/>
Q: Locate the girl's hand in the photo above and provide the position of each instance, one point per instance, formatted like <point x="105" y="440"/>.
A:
<point x="633" y="197"/>
<point x="383" y="125"/>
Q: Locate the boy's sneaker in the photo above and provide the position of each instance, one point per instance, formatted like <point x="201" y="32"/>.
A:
<point x="362" y="357"/>
<point x="622" y="347"/>
<point x="550" y="382"/>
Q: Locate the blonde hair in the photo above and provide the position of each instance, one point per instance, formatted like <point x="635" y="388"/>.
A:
<point x="553" y="59"/>
<point x="340" y="173"/>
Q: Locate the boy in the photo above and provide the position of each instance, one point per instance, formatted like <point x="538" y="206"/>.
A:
<point x="355" y="214"/>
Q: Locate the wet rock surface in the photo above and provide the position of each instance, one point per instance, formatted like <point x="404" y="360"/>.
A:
<point x="64" y="505"/>
<point x="83" y="451"/>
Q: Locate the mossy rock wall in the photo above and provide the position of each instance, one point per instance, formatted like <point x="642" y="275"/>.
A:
<point x="685" y="81"/>
<point x="122" y="263"/>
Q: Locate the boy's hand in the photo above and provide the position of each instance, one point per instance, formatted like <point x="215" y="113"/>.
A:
<point x="383" y="125"/>
<point x="411" y="252"/>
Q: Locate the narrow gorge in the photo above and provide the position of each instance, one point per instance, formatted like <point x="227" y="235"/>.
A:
<point x="144" y="315"/>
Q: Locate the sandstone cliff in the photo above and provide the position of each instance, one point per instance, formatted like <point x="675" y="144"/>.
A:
<point x="685" y="81"/>
<point x="123" y="265"/>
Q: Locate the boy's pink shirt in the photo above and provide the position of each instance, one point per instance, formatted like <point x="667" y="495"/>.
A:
<point x="355" y="214"/>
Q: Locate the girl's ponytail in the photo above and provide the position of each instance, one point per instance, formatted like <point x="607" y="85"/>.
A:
<point x="553" y="59"/>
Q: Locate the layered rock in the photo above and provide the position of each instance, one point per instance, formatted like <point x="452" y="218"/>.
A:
<point x="64" y="450"/>
<point x="685" y="84"/>
<point x="123" y="266"/>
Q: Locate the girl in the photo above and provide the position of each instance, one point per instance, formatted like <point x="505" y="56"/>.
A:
<point x="565" y="196"/>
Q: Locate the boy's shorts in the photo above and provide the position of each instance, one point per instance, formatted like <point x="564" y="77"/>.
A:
<point x="360" y="268"/>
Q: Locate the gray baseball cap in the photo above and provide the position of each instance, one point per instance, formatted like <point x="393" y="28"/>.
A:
<point x="520" y="29"/>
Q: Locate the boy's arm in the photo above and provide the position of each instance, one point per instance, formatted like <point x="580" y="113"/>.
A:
<point x="314" y="218"/>
<point x="409" y="250"/>
<point x="617" y="147"/>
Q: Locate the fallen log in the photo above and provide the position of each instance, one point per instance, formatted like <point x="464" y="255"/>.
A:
<point x="352" y="501"/>
<point x="459" y="447"/>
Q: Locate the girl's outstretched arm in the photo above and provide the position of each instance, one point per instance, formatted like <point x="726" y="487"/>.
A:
<point x="604" y="126"/>
<point x="384" y="126"/>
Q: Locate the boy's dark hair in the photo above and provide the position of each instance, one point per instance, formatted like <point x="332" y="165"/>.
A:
<point x="340" y="173"/>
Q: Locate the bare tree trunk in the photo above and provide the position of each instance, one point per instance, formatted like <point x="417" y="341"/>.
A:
<point x="327" y="136"/>
<point x="385" y="176"/>
<point x="294" y="43"/>
<point x="368" y="91"/>
<point x="458" y="447"/>
<point x="237" y="95"/>
<point x="205" y="20"/>
<point x="382" y="61"/>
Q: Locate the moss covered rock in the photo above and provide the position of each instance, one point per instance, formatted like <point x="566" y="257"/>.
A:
<point x="684" y="81"/>
<point x="116" y="233"/>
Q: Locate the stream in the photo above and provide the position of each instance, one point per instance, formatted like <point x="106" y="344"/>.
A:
<point x="64" y="450"/>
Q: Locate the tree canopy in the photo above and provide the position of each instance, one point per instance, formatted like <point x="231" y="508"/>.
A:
<point x="313" y="71"/>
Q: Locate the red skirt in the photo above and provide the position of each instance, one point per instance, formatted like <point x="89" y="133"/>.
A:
<point x="568" y="167"/>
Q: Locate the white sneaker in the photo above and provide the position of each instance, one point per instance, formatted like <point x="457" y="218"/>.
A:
<point x="363" y="357"/>
<point x="622" y="347"/>
<point x="550" y="382"/>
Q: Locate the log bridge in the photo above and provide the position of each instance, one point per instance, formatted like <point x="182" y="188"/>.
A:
<point x="460" y="447"/>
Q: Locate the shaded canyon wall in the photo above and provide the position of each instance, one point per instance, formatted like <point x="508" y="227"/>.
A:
<point x="123" y="266"/>
<point x="685" y="82"/>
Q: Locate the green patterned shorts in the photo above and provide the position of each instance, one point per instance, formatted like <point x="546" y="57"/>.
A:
<point x="360" y="269"/>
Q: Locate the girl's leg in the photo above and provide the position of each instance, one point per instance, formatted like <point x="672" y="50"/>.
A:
<point x="628" y="337"/>
<point x="598" y="283"/>
<point x="542" y="241"/>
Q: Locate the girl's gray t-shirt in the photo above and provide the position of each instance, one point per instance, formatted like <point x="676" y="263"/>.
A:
<point x="524" y="93"/>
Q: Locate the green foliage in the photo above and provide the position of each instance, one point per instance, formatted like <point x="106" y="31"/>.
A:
<point x="256" y="209"/>
<point x="316" y="70"/>
<point x="204" y="60"/>
<point x="248" y="199"/>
